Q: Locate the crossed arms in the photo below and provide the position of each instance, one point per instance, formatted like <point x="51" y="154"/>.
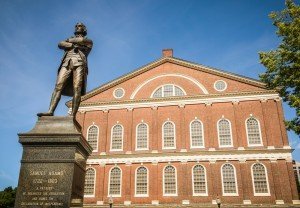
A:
<point x="76" y="42"/>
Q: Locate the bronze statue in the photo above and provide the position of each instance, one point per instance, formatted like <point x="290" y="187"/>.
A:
<point x="73" y="70"/>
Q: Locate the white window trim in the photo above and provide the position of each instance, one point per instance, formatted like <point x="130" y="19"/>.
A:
<point x="259" y="129"/>
<point x="164" y="194"/>
<point x="162" y="92"/>
<point x="267" y="178"/>
<point x="216" y="83"/>
<point x="87" y="135"/>
<point x="136" y="131"/>
<point x="230" y="133"/>
<point x="235" y="178"/>
<point x="118" y="89"/>
<point x="111" y="139"/>
<point x="141" y="195"/>
<point x="163" y="136"/>
<point x="191" y="143"/>
<point x="206" y="191"/>
<point x="91" y="195"/>
<point x="114" y="195"/>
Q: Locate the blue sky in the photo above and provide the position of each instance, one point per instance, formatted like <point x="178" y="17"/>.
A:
<point x="126" y="34"/>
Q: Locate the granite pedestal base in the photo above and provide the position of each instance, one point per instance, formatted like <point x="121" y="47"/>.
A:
<point x="53" y="164"/>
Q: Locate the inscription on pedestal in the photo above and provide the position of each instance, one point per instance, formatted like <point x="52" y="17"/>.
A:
<point x="44" y="186"/>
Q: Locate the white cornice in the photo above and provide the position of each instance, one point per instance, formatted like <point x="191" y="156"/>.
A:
<point x="192" y="158"/>
<point x="177" y="102"/>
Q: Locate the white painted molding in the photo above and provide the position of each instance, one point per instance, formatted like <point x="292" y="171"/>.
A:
<point x="296" y="201"/>
<point x="279" y="201"/>
<point x="270" y="147"/>
<point x="155" y="202"/>
<point x="185" y="202"/>
<point x="100" y="202"/>
<point x="150" y="104"/>
<point x="192" y="158"/>
<point x="247" y="202"/>
<point x="127" y="203"/>
<point x="201" y="87"/>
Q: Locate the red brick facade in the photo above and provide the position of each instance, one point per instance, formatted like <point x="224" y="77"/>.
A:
<point x="242" y="98"/>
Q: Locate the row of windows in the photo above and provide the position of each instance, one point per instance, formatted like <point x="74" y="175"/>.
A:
<point x="199" y="180"/>
<point x="169" y="136"/>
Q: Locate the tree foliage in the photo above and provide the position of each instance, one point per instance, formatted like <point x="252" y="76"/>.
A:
<point x="7" y="197"/>
<point x="283" y="64"/>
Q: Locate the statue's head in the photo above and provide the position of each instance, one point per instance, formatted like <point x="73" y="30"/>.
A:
<point x="80" y="29"/>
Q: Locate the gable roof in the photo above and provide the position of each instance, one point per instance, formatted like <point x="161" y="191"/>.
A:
<point x="173" y="60"/>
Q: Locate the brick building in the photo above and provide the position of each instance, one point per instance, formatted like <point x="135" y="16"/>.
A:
<point x="177" y="132"/>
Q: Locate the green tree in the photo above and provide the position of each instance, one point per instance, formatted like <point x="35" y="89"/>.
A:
<point x="7" y="197"/>
<point x="283" y="64"/>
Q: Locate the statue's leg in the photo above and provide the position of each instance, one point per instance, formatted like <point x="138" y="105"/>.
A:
<point x="62" y="77"/>
<point x="78" y="75"/>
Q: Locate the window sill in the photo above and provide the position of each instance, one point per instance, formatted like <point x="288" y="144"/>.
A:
<point x="262" y="194"/>
<point x="230" y="194"/>
<point x="88" y="196"/>
<point x="141" y="195"/>
<point x="114" y="195"/>
<point x="170" y="195"/>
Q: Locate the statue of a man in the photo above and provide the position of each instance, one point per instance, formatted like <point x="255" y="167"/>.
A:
<point x="73" y="70"/>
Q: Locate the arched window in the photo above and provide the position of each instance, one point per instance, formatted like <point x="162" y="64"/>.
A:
<point x="260" y="180"/>
<point x="117" y="137"/>
<point x="199" y="181"/>
<point x="89" y="186"/>
<point x="229" y="180"/>
<point x="141" y="182"/>
<point x="170" y="181"/>
<point x="167" y="91"/>
<point x="142" y="137"/>
<point x="92" y="137"/>
<point x="115" y="178"/>
<point x="224" y="133"/>
<point x="253" y="132"/>
<point x="196" y="134"/>
<point x="169" y="135"/>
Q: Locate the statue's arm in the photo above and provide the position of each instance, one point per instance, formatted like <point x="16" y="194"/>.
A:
<point x="65" y="45"/>
<point x="80" y="41"/>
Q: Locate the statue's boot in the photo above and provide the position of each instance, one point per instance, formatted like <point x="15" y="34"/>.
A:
<point x="44" y="114"/>
<point x="53" y="104"/>
<point x="75" y="104"/>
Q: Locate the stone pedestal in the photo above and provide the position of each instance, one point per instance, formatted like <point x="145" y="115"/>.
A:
<point x="53" y="164"/>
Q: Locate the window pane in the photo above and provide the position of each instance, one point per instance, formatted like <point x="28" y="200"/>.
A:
<point x="196" y="134"/>
<point x="93" y="136"/>
<point x="142" y="136"/>
<point x="169" y="135"/>
<point x="158" y="93"/>
<point x="224" y="133"/>
<point x="229" y="182"/>
<point x="170" y="180"/>
<point x="141" y="181"/>
<point x="115" y="182"/>
<point x="178" y="92"/>
<point x="168" y="90"/>
<point x="89" y="182"/>
<point x="253" y="131"/>
<point x="199" y="180"/>
<point x="117" y="135"/>
<point x="260" y="179"/>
